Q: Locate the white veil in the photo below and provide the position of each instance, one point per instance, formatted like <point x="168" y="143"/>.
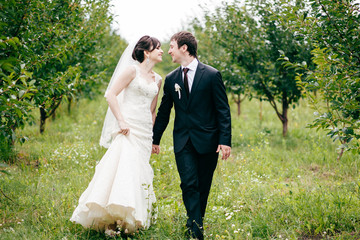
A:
<point x="111" y="127"/>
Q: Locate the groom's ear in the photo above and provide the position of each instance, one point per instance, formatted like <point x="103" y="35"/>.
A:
<point x="184" y="48"/>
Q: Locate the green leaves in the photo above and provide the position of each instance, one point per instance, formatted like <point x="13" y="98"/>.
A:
<point x="245" y="42"/>
<point x="2" y="168"/>
<point x="334" y="29"/>
<point x="49" y="52"/>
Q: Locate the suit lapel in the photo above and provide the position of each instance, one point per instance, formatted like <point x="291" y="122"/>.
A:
<point x="179" y="80"/>
<point x="198" y="75"/>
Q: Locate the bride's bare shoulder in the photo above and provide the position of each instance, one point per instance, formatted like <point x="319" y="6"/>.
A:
<point x="130" y="71"/>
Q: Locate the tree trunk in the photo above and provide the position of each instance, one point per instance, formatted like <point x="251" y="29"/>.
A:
<point x="238" y="107"/>
<point x="284" y="120"/>
<point x="237" y="100"/>
<point x="340" y="154"/>
<point x="69" y="104"/>
<point x="260" y="112"/>
<point x="43" y="117"/>
<point x="285" y="127"/>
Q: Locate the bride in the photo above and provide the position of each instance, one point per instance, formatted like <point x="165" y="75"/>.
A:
<point x="120" y="195"/>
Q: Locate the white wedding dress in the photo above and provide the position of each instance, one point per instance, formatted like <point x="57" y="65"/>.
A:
<point x="121" y="188"/>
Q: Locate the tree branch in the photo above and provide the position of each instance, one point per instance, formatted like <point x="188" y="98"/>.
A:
<point x="5" y="195"/>
<point x="338" y="30"/>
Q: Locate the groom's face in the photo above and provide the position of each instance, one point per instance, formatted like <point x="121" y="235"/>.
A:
<point x="174" y="51"/>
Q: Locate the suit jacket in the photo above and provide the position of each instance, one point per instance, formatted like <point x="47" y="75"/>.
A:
<point x="204" y="116"/>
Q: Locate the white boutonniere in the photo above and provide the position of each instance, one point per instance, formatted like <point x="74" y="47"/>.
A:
<point x="177" y="89"/>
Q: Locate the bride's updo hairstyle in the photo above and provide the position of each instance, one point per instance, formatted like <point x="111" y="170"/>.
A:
<point x="146" y="43"/>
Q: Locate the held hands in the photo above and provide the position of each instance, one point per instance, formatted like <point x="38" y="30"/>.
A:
<point x="225" y="150"/>
<point x="155" y="149"/>
<point x="124" y="128"/>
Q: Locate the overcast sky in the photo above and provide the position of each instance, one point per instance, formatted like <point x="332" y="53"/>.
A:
<point x="158" y="18"/>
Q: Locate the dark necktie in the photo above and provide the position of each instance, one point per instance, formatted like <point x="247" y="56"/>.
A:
<point x="186" y="83"/>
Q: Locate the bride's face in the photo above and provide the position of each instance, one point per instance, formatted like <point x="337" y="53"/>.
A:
<point x="156" y="54"/>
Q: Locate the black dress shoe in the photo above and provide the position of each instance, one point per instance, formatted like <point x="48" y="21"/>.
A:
<point x="191" y="235"/>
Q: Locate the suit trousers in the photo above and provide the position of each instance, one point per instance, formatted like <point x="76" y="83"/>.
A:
<point x="196" y="172"/>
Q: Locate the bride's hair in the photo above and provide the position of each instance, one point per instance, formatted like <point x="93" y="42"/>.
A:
<point x="146" y="43"/>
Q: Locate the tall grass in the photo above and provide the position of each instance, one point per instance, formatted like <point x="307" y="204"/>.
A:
<point x="270" y="188"/>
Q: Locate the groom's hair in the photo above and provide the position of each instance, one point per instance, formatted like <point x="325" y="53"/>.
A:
<point x="145" y="43"/>
<point x="188" y="39"/>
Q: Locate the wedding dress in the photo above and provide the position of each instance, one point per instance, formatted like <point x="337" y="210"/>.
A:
<point x="121" y="188"/>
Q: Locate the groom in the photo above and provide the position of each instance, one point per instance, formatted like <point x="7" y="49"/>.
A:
<point x="202" y="125"/>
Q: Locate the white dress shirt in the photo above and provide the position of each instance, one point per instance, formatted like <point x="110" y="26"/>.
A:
<point x="191" y="73"/>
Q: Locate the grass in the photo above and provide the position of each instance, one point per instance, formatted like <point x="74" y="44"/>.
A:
<point x="270" y="188"/>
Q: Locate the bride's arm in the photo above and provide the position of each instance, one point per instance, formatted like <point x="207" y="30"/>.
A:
<point x="120" y="84"/>
<point x="154" y="103"/>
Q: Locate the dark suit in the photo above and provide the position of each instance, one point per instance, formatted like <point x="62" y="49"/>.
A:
<point x="202" y="122"/>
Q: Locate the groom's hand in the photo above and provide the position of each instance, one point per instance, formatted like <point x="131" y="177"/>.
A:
<point x="225" y="150"/>
<point x="155" y="149"/>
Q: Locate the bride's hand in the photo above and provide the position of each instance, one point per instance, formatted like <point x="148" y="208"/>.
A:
<point x="124" y="128"/>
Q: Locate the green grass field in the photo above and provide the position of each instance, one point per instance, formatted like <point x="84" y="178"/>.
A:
<point x="270" y="188"/>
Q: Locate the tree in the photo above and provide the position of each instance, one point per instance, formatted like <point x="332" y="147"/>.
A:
<point x="217" y="47"/>
<point x="252" y="38"/>
<point x="16" y="89"/>
<point x="15" y="97"/>
<point x="50" y="52"/>
<point x="59" y="45"/>
<point x="333" y="27"/>
<point x="275" y="83"/>
<point x="68" y="47"/>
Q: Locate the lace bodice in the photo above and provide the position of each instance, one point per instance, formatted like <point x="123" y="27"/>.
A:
<point x="134" y="102"/>
<point x="138" y="96"/>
